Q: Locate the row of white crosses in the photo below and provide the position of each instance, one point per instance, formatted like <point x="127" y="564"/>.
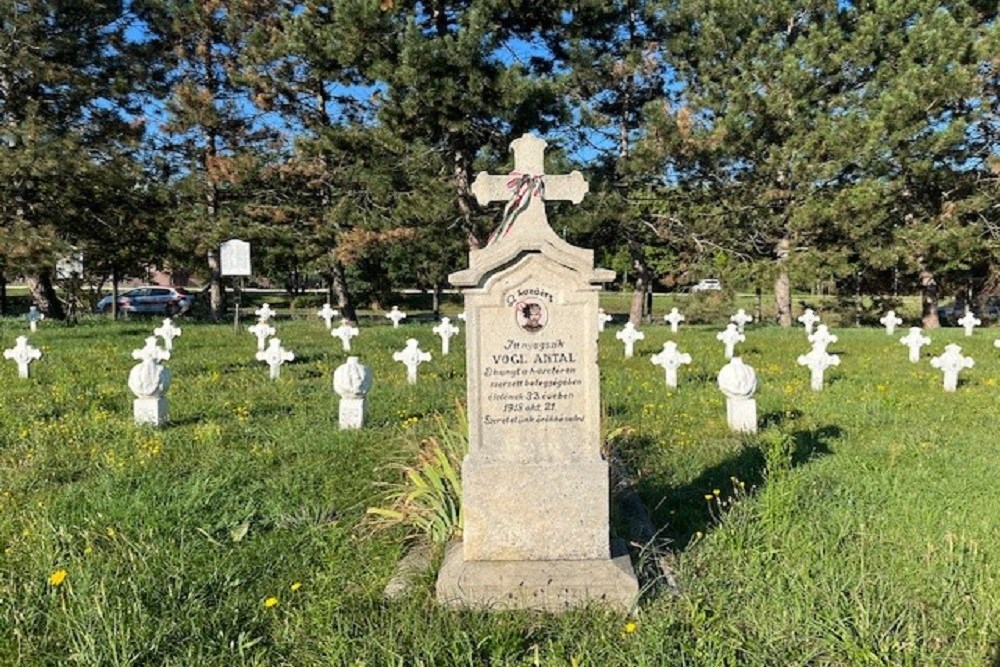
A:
<point x="270" y="351"/>
<point x="968" y="322"/>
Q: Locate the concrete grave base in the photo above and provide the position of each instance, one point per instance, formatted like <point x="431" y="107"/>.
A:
<point x="150" y="410"/>
<point x="543" y="585"/>
<point x="352" y="413"/>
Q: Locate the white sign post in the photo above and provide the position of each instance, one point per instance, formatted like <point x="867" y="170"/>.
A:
<point x="234" y="258"/>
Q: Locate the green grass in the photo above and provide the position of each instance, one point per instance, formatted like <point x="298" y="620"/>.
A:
<point x="870" y="538"/>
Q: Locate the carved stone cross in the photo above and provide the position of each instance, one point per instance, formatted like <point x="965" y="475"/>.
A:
<point x="671" y="359"/>
<point x="167" y="332"/>
<point x="328" y="313"/>
<point x="822" y="337"/>
<point x="527" y="188"/>
<point x="809" y="318"/>
<point x="264" y="313"/>
<point x="274" y="356"/>
<point x="396" y="315"/>
<point x="411" y="356"/>
<point x="890" y="321"/>
<point x="673" y="318"/>
<point x="915" y="340"/>
<point x="629" y="335"/>
<point x="970" y="322"/>
<point x="22" y="354"/>
<point x="34" y="316"/>
<point x="446" y="330"/>
<point x="741" y="318"/>
<point x="817" y="361"/>
<point x="262" y="330"/>
<point x="151" y="352"/>
<point x="602" y="319"/>
<point x="345" y="332"/>
<point x="729" y="338"/>
<point x="950" y="363"/>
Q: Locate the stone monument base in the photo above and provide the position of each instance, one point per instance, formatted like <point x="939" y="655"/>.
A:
<point x="543" y="585"/>
<point x="742" y="414"/>
<point x="151" y="410"/>
<point x="352" y="413"/>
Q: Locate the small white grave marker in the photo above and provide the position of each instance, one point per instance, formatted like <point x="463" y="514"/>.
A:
<point x="729" y="338"/>
<point x="915" y="340"/>
<point x="671" y="359"/>
<point x="168" y="332"/>
<point x="602" y="319"/>
<point x="996" y="343"/>
<point x="396" y="315"/>
<point x="22" y="354"/>
<point x="673" y="318"/>
<point x="741" y="318"/>
<point x="149" y="380"/>
<point x="809" y="318"/>
<point x="352" y="381"/>
<point x="262" y="330"/>
<point x="969" y="322"/>
<point x="461" y="316"/>
<point x="890" y="321"/>
<point x="34" y="317"/>
<point x="950" y="363"/>
<point x="264" y="313"/>
<point x="327" y="314"/>
<point x="739" y="383"/>
<point x="345" y="332"/>
<point x="817" y="361"/>
<point x="822" y="337"/>
<point x="629" y="335"/>
<point x="445" y="330"/>
<point x="411" y="356"/>
<point x="274" y="356"/>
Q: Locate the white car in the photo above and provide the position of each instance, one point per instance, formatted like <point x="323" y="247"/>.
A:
<point x="707" y="285"/>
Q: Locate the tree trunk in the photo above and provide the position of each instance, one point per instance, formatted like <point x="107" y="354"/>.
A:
<point x="330" y="296"/>
<point x="114" y="294"/>
<point x="461" y="180"/>
<point x="216" y="291"/>
<point x="783" y="285"/>
<point x="639" y="295"/>
<point x="436" y="300"/>
<point x="338" y="282"/>
<point x="3" y="295"/>
<point x="928" y="297"/>
<point x="43" y="294"/>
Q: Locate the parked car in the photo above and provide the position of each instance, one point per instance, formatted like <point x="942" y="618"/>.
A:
<point x="707" y="285"/>
<point x="152" y="299"/>
<point x="951" y="313"/>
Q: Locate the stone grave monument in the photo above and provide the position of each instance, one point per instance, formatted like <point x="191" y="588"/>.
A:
<point x="168" y="332"/>
<point x="673" y="318"/>
<point x="739" y="383"/>
<point x="149" y="380"/>
<point x="671" y="359"/>
<point x="817" y="361"/>
<point x="396" y="315"/>
<point x="345" y="332"/>
<point x="22" y="354"/>
<point x="274" y="356"/>
<point x="445" y="329"/>
<point x="602" y="319"/>
<point x="915" y="340"/>
<point x="535" y="485"/>
<point x="411" y="356"/>
<point x="34" y="317"/>
<point x="969" y="322"/>
<point x="809" y="318"/>
<point x="822" y="337"/>
<point x="741" y="319"/>
<point x="950" y="363"/>
<point x="264" y="313"/>
<point x="262" y="331"/>
<point x="890" y="321"/>
<point x="352" y="381"/>
<point x="729" y="338"/>
<point x="326" y="313"/>
<point x="629" y="335"/>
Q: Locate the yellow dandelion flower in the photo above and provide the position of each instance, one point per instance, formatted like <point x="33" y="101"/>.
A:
<point x="631" y="627"/>
<point x="709" y="496"/>
<point x="271" y="602"/>
<point x="296" y="586"/>
<point x="57" y="577"/>
<point x="716" y="491"/>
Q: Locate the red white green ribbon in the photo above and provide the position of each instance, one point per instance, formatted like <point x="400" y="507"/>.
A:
<point x="525" y="186"/>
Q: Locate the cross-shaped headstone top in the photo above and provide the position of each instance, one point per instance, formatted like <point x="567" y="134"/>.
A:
<point x="817" y="361"/>
<point x="264" y="313"/>
<point x="915" y="340"/>
<point x="152" y="352"/>
<point x="809" y="318"/>
<point x="396" y="315"/>
<point x="822" y="336"/>
<point x="741" y="318"/>
<point x="461" y="316"/>
<point x="327" y="313"/>
<point x="345" y="332"/>
<point x="670" y="357"/>
<point x="167" y="332"/>
<point x="969" y="322"/>
<point x="34" y="317"/>
<point x="602" y="319"/>
<point x="729" y="338"/>
<point x="673" y="318"/>
<point x="629" y="335"/>
<point x="411" y="356"/>
<point x="890" y="321"/>
<point x="274" y="356"/>
<point x="445" y="330"/>
<point x="262" y="330"/>
<point x="951" y="362"/>
<point x="22" y="354"/>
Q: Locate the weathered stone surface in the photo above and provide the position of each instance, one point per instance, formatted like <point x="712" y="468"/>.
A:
<point x="151" y="410"/>
<point x="352" y="381"/>
<point x="22" y="354"/>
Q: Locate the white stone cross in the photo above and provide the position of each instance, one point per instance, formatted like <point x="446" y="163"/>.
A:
<point x="446" y="330"/>
<point x="411" y="356"/>
<point x="396" y="315"/>
<point x="729" y="338"/>
<point x="629" y="335"/>
<point x="274" y="356"/>
<point x="996" y="343"/>
<point x="915" y="340"/>
<point x="673" y="318"/>
<point x="264" y="313"/>
<point x="817" y="361"/>
<point x="345" y="332"/>
<point x="741" y="318"/>
<point x="22" y="354"/>
<point x="602" y="319"/>
<point x="969" y="321"/>
<point x="951" y="362"/>
<point x="151" y="352"/>
<point x="262" y="330"/>
<point x="34" y="317"/>
<point x="671" y="359"/>
<point x="167" y="332"/>
<point x="822" y="337"/>
<point x="149" y="379"/>
<point x="327" y="314"/>
<point x="890" y="321"/>
<point x="526" y="189"/>
<point x="461" y="316"/>
<point x="809" y="318"/>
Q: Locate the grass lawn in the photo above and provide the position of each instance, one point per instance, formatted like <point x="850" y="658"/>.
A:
<point x="235" y="535"/>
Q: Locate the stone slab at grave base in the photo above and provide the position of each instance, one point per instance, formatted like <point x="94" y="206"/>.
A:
<point x="352" y="413"/>
<point x="543" y="585"/>
<point x="150" y="411"/>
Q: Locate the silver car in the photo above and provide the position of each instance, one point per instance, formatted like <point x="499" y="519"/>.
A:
<point x="152" y="299"/>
